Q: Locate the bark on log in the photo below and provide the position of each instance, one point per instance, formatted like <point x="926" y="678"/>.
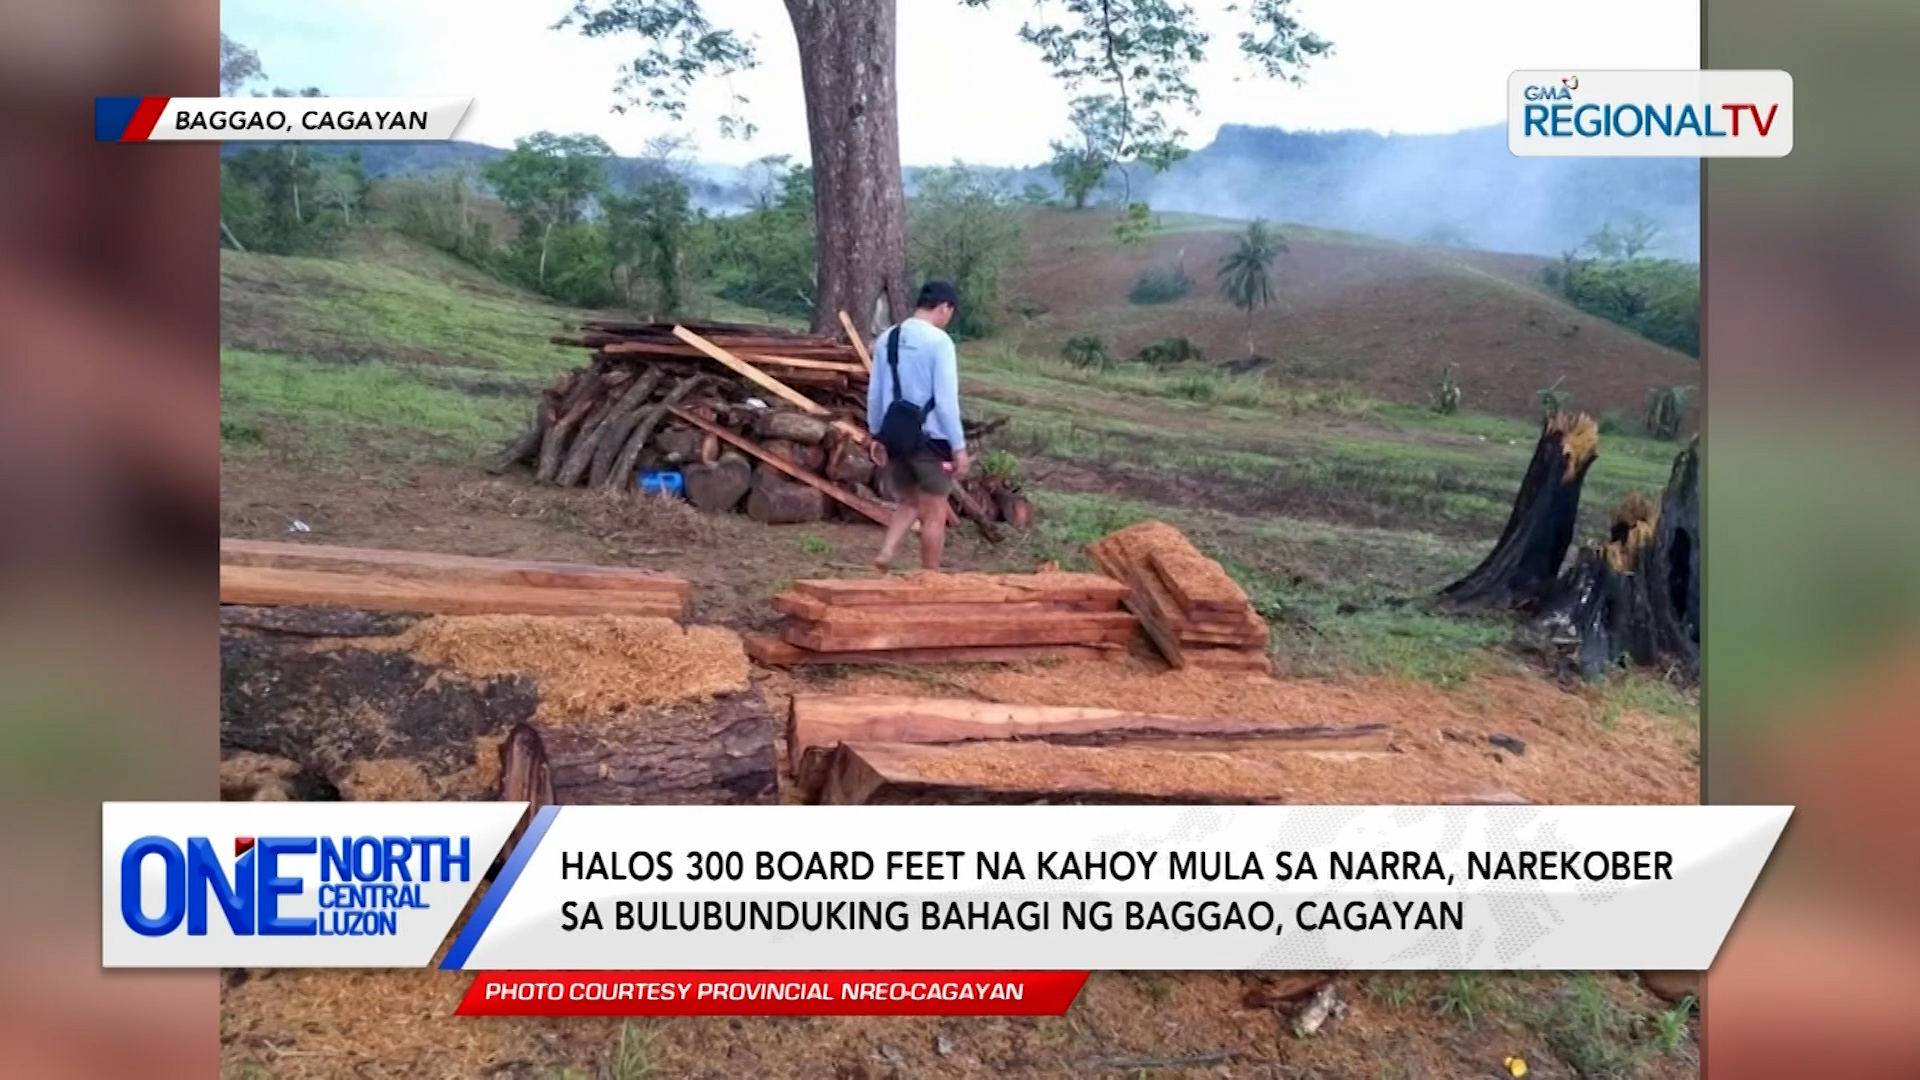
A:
<point x="793" y="427"/>
<point x="620" y="476"/>
<point x="581" y="456"/>
<point x="847" y="70"/>
<point x="554" y="445"/>
<point x="720" y="752"/>
<point x="1522" y="569"/>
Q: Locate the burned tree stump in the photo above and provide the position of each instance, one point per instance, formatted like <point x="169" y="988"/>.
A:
<point x="1524" y="565"/>
<point x="1636" y="598"/>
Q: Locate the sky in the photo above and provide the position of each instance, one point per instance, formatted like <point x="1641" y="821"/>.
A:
<point x="969" y="89"/>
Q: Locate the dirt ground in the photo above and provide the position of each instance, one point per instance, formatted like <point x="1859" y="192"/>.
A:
<point x="302" y="1024"/>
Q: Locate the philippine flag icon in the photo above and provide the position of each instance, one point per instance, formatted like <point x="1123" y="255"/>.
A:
<point x="126" y="119"/>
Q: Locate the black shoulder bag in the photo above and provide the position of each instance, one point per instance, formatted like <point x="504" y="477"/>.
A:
<point x="903" y="430"/>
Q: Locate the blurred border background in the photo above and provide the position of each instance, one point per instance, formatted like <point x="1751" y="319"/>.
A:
<point x="109" y="487"/>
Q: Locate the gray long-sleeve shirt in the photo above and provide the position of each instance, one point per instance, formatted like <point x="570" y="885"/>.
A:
<point x="928" y="369"/>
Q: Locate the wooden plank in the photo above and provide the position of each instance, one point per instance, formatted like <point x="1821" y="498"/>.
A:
<point x="1181" y="592"/>
<point x="859" y="344"/>
<point x="775" y="652"/>
<point x="752" y="374"/>
<point x="271" y="586"/>
<point x="871" y="511"/>
<point x="816" y="723"/>
<point x="1117" y="627"/>
<point x="963" y="589"/>
<point x="1151" y="593"/>
<point x="813" y="609"/>
<point x="1029" y="773"/>
<point x="429" y="565"/>
<point x="801" y="364"/>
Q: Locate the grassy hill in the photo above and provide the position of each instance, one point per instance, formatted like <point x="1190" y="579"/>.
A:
<point x="1380" y="318"/>
<point x="390" y="357"/>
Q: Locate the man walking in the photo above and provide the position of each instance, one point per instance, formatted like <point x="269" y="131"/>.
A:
<point x="913" y="412"/>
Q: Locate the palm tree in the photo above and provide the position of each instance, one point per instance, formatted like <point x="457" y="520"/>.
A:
<point x="1246" y="272"/>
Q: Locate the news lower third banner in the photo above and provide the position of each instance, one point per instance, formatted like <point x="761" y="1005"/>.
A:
<point x="1687" y="114"/>
<point x="933" y="889"/>
<point x="277" y="119"/>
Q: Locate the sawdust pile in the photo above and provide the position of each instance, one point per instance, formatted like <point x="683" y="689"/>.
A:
<point x="249" y="777"/>
<point x="388" y="780"/>
<point x="1572" y="757"/>
<point x="587" y="666"/>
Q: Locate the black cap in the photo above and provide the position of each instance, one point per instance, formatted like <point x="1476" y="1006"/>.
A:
<point x="935" y="293"/>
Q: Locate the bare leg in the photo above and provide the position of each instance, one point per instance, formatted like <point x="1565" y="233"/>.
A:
<point x="903" y="518"/>
<point x="932" y="511"/>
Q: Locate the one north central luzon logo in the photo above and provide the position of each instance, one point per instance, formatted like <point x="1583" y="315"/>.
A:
<point x="366" y="883"/>
<point x="1560" y="111"/>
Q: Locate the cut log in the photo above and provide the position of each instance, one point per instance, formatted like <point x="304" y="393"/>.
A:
<point x="772" y="651"/>
<point x="524" y="777"/>
<point x="776" y="500"/>
<point x="871" y="511"/>
<point x="718" y="752"/>
<point x="719" y="487"/>
<point x="1068" y="628"/>
<point x="1524" y="565"/>
<point x="1030" y="773"/>
<point x="849" y="463"/>
<point x="268" y="586"/>
<point x="594" y="430"/>
<point x="620" y="477"/>
<point x="434" y="566"/>
<point x="817" y="723"/>
<point x="963" y="589"/>
<point x="767" y="382"/>
<point x="554" y="444"/>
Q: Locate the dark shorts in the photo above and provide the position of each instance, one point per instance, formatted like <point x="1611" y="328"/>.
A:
<point x="925" y="471"/>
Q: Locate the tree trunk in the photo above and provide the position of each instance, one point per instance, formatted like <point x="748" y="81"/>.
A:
<point x="1523" y="569"/>
<point x="232" y="239"/>
<point x="853" y="123"/>
<point x="544" y="237"/>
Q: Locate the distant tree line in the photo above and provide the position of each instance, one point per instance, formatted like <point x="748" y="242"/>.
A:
<point x="1614" y="277"/>
<point x="549" y="216"/>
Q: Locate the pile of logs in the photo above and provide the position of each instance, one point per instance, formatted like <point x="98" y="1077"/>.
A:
<point x="948" y="618"/>
<point x="268" y="574"/>
<point x="852" y="750"/>
<point x="1194" y="613"/>
<point x="753" y="418"/>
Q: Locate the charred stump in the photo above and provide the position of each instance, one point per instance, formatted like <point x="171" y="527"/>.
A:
<point x="1521" y="571"/>
<point x="1636" y="598"/>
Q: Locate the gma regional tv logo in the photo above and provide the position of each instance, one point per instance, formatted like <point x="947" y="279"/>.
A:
<point x="1650" y="114"/>
<point x="247" y="884"/>
<point x="364" y="886"/>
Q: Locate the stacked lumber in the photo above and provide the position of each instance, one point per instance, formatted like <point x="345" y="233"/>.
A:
<point x="753" y="418"/>
<point x="948" y="618"/>
<point x="269" y="574"/>
<point x="1195" y="614"/>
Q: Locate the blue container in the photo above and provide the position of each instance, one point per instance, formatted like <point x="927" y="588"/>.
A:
<point x="662" y="483"/>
